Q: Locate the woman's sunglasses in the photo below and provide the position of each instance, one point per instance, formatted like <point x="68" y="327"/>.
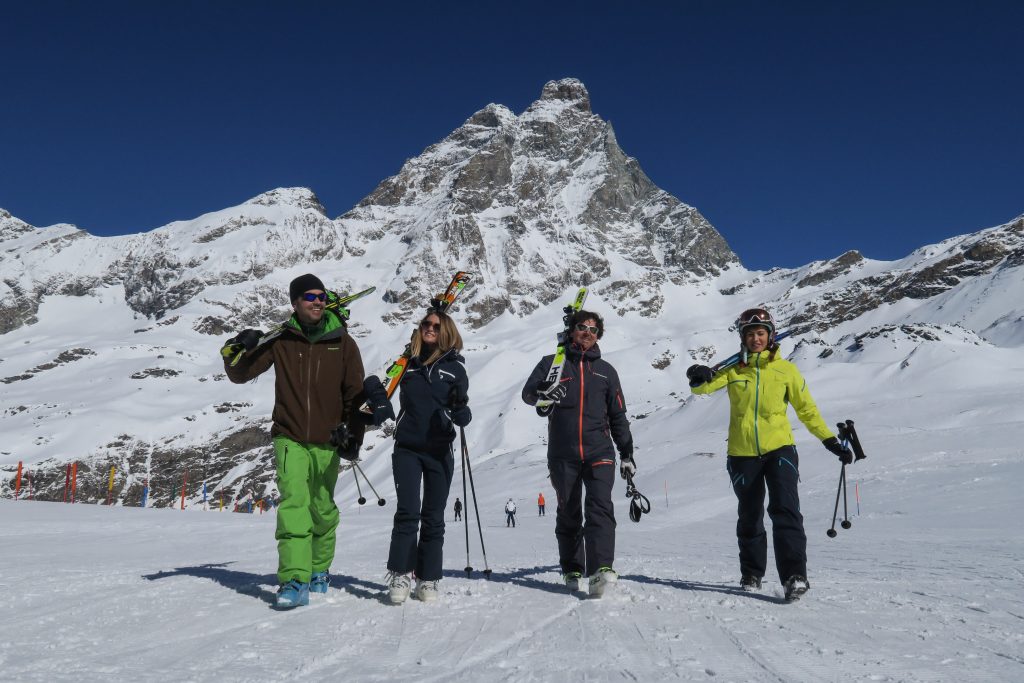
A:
<point x="310" y="296"/>
<point x="580" y="327"/>
<point x="436" y="327"/>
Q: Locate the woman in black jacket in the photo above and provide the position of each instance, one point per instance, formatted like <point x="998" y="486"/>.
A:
<point x="433" y="402"/>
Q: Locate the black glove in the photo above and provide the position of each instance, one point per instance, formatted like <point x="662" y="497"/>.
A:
<point x="699" y="374"/>
<point x="245" y="340"/>
<point x="546" y="392"/>
<point x="834" y="446"/>
<point x="458" y="402"/>
<point x="627" y="466"/>
<point x="377" y="398"/>
<point x="347" y="447"/>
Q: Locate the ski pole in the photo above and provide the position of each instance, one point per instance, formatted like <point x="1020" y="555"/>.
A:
<point x="465" y="522"/>
<point x="380" y="500"/>
<point x="835" y="511"/>
<point x="476" y="510"/>
<point x="846" y="513"/>
<point x="355" y="475"/>
<point x="844" y="435"/>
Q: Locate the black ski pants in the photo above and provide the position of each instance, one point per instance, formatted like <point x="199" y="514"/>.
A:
<point x="585" y="529"/>
<point x="434" y="471"/>
<point x="778" y="471"/>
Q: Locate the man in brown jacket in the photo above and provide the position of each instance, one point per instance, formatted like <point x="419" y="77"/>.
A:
<point x="318" y="392"/>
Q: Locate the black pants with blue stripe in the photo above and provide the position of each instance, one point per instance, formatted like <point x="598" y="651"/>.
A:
<point x="778" y="471"/>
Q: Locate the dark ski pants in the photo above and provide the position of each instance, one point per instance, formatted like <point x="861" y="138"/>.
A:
<point x="434" y="471"/>
<point x="778" y="471"/>
<point x="584" y="546"/>
<point x="458" y="515"/>
<point x="510" y="519"/>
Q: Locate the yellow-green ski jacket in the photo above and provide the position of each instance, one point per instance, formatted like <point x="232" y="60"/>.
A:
<point x="758" y="396"/>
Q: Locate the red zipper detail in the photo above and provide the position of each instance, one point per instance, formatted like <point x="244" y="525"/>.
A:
<point x="581" y="410"/>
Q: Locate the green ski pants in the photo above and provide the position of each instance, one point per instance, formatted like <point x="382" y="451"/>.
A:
<point x="307" y="517"/>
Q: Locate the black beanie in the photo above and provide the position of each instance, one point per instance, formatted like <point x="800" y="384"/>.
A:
<point x="303" y="284"/>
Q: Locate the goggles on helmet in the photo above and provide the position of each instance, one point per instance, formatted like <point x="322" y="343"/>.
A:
<point x="755" y="316"/>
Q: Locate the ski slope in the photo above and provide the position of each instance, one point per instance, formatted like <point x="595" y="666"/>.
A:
<point x="925" y="586"/>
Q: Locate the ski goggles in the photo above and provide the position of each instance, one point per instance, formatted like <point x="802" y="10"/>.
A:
<point x="310" y="296"/>
<point x="755" y="316"/>
<point x="580" y="327"/>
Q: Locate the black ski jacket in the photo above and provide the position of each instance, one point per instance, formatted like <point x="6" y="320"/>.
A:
<point x="424" y="419"/>
<point x="590" y="422"/>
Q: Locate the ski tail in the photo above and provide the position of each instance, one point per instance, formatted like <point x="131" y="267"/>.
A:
<point x="442" y="302"/>
<point x="554" y="375"/>
<point x="338" y="303"/>
<point x="394" y="373"/>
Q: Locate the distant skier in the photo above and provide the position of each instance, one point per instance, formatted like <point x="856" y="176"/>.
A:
<point x="433" y="396"/>
<point x="586" y="423"/>
<point x="761" y="452"/>
<point x="510" y="513"/>
<point x="540" y="504"/>
<point x="458" y="509"/>
<point x="307" y="409"/>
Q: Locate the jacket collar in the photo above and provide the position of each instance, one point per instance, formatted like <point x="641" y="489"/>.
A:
<point x="575" y="352"/>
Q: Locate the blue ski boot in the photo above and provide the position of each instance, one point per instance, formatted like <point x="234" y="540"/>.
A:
<point x="319" y="582"/>
<point x="292" y="594"/>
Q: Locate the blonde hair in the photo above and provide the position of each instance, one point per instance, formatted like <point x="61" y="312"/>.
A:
<point x="448" y="337"/>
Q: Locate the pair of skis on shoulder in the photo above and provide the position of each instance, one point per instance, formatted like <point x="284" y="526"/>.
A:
<point x="393" y="374"/>
<point x="337" y="303"/>
<point x="554" y="375"/>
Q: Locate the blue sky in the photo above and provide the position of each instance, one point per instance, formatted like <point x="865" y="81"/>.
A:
<point x="799" y="129"/>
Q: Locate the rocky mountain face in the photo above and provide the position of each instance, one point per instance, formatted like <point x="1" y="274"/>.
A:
<point x="107" y="345"/>
<point x="535" y="204"/>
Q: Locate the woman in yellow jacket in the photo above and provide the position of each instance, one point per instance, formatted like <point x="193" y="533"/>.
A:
<point x="762" y="453"/>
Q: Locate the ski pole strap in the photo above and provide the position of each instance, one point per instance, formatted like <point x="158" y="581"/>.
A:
<point x="639" y="505"/>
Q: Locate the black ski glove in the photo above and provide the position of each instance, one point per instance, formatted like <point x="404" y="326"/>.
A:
<point x="627" y="466"/>
<point x="699" y="374"/>
<point x="835" y="447"/>
<point x="458" y="402"/>
<point x="547" y="392"/>
<point x="246" y="340"/>
<point x="347" y="447"/>
<point x="377" y="398"/>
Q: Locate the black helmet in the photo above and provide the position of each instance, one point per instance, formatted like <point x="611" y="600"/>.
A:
<point x="753" y="317"/>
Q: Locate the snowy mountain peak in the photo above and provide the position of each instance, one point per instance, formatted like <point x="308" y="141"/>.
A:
<point x="298" y="197"/>
<point x="535" y="204"/>
<point x="568" y="90"/>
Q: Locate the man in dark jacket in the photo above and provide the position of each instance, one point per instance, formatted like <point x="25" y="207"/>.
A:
<point x="586" y="423"/>
<point x="318" y="391"/>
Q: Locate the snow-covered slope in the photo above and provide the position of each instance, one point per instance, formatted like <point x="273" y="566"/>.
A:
<point x="925" y="586"/>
